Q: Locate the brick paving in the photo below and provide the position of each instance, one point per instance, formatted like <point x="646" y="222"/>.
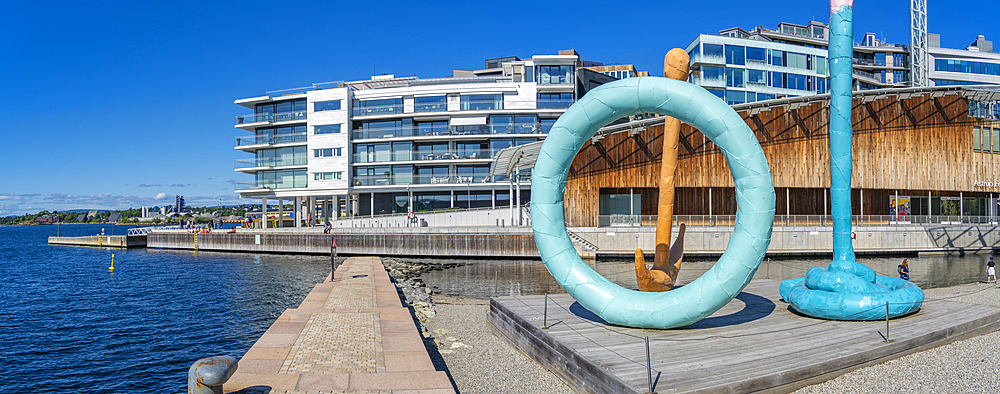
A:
<point x="350" y="335"/>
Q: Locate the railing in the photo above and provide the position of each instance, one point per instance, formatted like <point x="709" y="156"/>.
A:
<point x="276" y="184"/>
<point x="554" y="103"/>
<point x="451" y="130"/>
<point x="278" y="162"/>
<point x="866" y="74"/>
<point x="271" y="139"/>
<point x="378" y="110"/>
<point x="481" y="105"/>
<point x="271" y="118"/>
<point x="434" y="107"/>
<point x="460" y="154"/>
<point x="710" y="82"/>
<point x="407" y="179"/>
<point x="800" y="220"/>
<point x="864" y="62"/>
<point x="710" y="59"/>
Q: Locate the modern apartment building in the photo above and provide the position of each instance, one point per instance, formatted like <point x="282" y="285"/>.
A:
<point x="764" y="63"/>
<point x="404" y="144"/>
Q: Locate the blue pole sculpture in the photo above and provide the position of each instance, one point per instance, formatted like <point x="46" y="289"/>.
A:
<point x="754" y="195"/>
<point x="846" y="290"/>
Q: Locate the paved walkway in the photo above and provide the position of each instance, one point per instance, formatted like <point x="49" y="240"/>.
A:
<point x="350" y="335"/>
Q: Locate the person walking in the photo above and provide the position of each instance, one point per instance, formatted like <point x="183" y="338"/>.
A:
<point x="904" y="270"/>
<point x="991" y="271"/>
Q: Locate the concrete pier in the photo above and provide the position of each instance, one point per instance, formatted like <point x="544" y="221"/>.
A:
<point x="351" y="334"/>
<point x="102" y="241"/>
<point x="752" y="344"/>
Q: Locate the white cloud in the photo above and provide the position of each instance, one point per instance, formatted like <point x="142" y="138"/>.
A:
<point x="160" y="196"/>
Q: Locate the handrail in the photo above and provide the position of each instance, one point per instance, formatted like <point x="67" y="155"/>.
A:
<point x="801" y="220"/>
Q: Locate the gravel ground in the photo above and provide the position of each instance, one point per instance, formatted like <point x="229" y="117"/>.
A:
<point x="479" y="361"/>
<point x="968" y="366"/>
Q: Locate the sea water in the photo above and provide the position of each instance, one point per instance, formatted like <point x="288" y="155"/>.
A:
<point x="68" y="324"/>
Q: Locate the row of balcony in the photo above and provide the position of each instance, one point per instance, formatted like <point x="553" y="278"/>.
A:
<point x="460" y="154"/>
<point x="383" y="180"/>
<point x="271" y="139"/>
<point x="409" y="179"/>
<point x="270" y="118"/>
<point x="271" y="162"/>
<point x="472" y="105"/>
<point x="528" y="128"/>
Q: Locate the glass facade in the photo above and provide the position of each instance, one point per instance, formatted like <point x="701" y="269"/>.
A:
<point x="290" y="156"/>
<point x="282" y="179"/>
<point x="430" y="104"/>
<point x="482" y="102"/>
<point x="378" y="107"/>
<point x="326" y="129"/>
<point x="554" y="100"/>
<point x="331" y="105"/>
<point x="968" y="67"/>
<point x="548" y="75"/>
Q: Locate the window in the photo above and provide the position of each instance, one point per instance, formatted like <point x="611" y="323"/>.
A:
<point x="432" y="128"/>
<point x="290" y="156"/>
<point x="386" y="129"/>
<point x="555" y="75"/>
<point x="281" y="179"/>
<point x="332" y="105"/>
<point x="968" y="67"/>
<point x="821" y="65"/>
<point x="328" y="152"/>
<point x="776" y="79"/>
<point x="326" y="129"/>
<point x="880" y="59"/>
<point x="714" y="76"/>
<point x="735" y="55"/>
<point x="734" y="77"/>
<point x="758" y="55"/>
<point x="996" y="140"/>
<point x="327" y="176"/>
<point x="757" y="76"/>
<point x="899" y="60"/>
<point x="378" y="107"/>
<point x="899" y="76"/>
<point x="544" y="125"/>
<point x="713" y="53"/>
<point x="796" y="60"/>
<point x="481" y="102"/>
<point x="777" y="57"/>
<point x="822" y="84"/>
<point x="430" y="104"/>
<point x="976" y="141"/>
<point x="554" y="100"/>
<point x="734" y="97"/>
<point x="797" y="82"/>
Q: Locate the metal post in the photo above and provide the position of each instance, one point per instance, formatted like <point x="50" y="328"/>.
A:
<point x="496" y="274"/>
<point x="333" y="257"/>
<point x="649" y="369"/>
<point x="517" y="173"/>
<point x="545" y="313"/>
<point x="887" y="321"/>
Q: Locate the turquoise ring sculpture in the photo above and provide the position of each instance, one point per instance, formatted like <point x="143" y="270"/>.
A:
<point x="846" y="290"/>
<point x="754" y="193"/>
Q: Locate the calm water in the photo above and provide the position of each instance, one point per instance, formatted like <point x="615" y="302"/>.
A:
<point x="479" y="279"/>
<point x="69" y="325"/>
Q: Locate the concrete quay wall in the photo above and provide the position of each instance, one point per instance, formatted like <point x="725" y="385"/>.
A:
<point x="109" y="241"/>
<point x="517" y="243"/>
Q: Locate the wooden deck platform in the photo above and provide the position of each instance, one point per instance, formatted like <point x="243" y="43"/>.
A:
<point x="753" y="344"/>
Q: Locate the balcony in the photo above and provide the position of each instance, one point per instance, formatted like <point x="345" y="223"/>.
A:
<point x="270" y="118"/>
<point x="461" y="154"/>
<point x="408" y="179"/>
<point x="708" y="59"/>
<point x="271" y="139"/>
<point x="708" y="82"/>
<point x="451" y="130"/>
<point x="430" y="107"/>
<point x="271" y="163"/>
<point x="297" y="182"/>
<point x="378" y="110"/>
<point x="554" y="103"/>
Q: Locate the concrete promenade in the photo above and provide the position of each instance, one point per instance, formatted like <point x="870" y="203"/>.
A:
<point x="350" y="335"/>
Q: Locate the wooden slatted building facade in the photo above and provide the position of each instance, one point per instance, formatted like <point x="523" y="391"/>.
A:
<point x="914" y="143"/>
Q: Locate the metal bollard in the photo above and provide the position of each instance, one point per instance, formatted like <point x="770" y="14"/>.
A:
<point x="545" y="313"/>
<point x="206" y="376"/>
<point x="649" y="369"/>
<point x="887" y="321"/>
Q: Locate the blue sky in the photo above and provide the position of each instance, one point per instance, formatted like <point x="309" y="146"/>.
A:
<point x="110" y="105"/>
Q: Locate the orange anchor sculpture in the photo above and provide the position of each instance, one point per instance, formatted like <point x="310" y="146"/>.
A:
<point x="667" y="260"/>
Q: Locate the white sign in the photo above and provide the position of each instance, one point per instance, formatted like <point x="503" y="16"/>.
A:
<point x="993" y="184"/>
<point x="256" y="239"/>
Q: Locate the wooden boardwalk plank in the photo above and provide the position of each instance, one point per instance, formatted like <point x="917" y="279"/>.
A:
<point x="754" y="343"/>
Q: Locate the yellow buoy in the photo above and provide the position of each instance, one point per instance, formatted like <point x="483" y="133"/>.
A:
<point x="112" y="262"/>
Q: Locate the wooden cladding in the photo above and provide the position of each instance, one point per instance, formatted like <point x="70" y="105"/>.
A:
<point x="915" y="143"/>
